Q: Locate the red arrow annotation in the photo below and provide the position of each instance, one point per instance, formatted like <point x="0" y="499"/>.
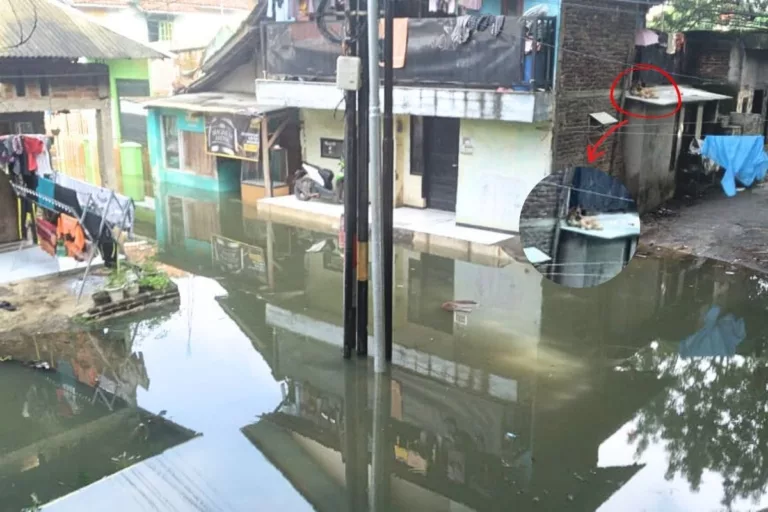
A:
<point x="592" y="149"/>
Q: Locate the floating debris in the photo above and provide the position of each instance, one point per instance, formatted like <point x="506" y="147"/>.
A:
<point x="463" y="306"/>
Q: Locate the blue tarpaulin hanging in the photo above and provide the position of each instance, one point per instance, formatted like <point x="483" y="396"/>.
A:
<point x="742" y="156"/>
<point x="718" y="338"/>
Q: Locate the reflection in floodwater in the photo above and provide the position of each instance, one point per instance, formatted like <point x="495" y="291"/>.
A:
<point x="646" y="393"/>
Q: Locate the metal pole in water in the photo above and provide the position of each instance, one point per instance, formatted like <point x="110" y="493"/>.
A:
<point x="350" y="194"/>
<point x="388" y="161"/>
<point x="381" y="453"/>
<point x="363" y="200"/>
<point x="375" y="181"/>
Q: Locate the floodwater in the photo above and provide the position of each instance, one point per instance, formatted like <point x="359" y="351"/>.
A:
<point x="648" y="393"/>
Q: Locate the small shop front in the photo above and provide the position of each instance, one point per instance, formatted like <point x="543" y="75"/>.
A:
<point x="223" y="142"/>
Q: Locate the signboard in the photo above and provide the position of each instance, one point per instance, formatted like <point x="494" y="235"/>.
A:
<point x="235" y="257"/>
<point x="233" y="136"/>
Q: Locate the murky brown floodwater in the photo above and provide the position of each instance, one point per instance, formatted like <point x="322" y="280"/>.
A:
<point x="645" y="394"/>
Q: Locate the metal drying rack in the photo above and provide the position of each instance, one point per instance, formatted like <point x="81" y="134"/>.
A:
<point x="59" y="207"/>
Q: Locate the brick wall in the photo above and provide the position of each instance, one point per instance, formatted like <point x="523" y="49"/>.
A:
<point x="603" y="29"/>
<point x="711" y="63"/>
<point x="64" y="80"/>
<point x="595" y="47"/>
<point x="542" y="203"/>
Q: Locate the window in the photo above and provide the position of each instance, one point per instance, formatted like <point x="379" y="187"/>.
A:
<point x="21" y="87"/>
<point x="171" y="143"/>
<point x="45" y="86"/>
<point x="159" y="30"/>
<point x="165" y="30"/>
<point x="251" y="172"/>
<point x="25" y="127"/>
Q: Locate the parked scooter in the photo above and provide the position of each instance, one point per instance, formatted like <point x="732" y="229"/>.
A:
<point x="312" y="181"/>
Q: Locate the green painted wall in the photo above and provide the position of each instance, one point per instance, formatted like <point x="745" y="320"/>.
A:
<point x="136" y="69"/>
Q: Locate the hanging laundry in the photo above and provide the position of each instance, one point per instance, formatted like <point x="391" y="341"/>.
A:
<point x="472" y="5"/>
<point x="74" y="238"/>
<point x="46" y="190"/>
<point x="46" y="234"/>
<point x="121" y="210"/>
<point x="33" y="146"/>
<point x="399" y="41"/>
<point x="497" y="26"/>
<point x="462" y="31"/>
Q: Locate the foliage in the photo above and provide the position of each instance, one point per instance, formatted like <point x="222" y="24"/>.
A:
<point x="117" y="278"/>
<point x="683" y="15"/>
<point x="157" y="281"/>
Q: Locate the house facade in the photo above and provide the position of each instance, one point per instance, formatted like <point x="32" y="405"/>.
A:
<point x="476" y="124"/>
<point x="47" y="73"/>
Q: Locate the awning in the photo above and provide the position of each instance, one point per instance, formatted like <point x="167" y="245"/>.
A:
<point x="214" y="102"/>
<point x="666" y="96"/>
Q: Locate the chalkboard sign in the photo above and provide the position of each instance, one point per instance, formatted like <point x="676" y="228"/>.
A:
<point x="331" y="148"/>
<point x="233" y="136"/>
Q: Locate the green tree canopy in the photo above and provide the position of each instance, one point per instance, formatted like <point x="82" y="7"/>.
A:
<point x="684" y="15"/>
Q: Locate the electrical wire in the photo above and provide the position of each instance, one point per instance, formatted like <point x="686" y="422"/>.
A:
<point x="548" y="184"/>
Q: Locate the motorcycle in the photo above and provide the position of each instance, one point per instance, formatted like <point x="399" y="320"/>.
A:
<point x="311" y="181"/>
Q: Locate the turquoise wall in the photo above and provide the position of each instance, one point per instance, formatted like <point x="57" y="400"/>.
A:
<point x="489" y="7"/>
<point x="226" y="181"/>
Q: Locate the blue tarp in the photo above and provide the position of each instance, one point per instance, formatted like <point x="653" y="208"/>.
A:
<point x="742" y="156"/>
<point x="719" y="337"/>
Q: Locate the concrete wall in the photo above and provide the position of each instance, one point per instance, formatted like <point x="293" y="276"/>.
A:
<point x="125" y="21"/>
<point x="185" y="177"/>
<point x="317" y="124"/>
<point x="505" y="162"/>
<point x="239" y="80"/>
<point x="190" y="30"/>
<point x="648" y="147"/>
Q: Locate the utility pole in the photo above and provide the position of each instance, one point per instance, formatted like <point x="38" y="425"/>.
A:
<point x="350" y="189"/>
<point x="362" y="190"/>
<point x="388" y="161"/>
<point x="376" y="181"/>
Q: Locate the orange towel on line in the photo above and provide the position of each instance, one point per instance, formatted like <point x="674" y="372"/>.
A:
<point x="74" y="236"/>
<point x="399" y="41"/>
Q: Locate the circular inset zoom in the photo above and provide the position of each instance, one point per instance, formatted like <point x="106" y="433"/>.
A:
<point x="579" y="227"/>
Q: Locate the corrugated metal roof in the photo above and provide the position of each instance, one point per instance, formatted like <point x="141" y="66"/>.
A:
<point x="46" y="28"/>
<point x="214" y="102"/>
<point x="175" y="6"/>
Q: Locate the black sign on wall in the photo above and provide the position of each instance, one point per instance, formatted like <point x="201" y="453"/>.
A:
<point x="331" y="148"/>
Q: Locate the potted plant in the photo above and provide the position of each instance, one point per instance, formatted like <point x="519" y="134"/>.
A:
<point x="131" y="283"/>
<point x="116" y="284"/>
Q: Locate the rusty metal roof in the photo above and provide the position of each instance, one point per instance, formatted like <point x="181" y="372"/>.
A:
<point x="48" y="28"/>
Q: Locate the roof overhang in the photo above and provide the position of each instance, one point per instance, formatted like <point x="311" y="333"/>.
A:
<point x="666" y="96"/>
<point x="215" y="103"/>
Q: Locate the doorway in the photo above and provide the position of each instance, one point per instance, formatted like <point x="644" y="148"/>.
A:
<point x="441" y="162"/>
